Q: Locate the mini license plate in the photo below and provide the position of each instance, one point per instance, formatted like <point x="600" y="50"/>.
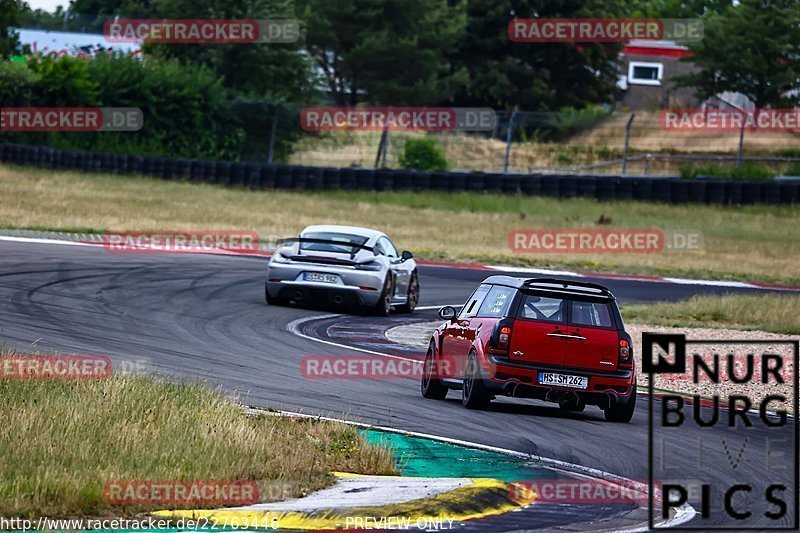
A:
<point x="563" y="380"/>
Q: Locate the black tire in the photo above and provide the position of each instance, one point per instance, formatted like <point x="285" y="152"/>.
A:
<point x="271" y="300"/>
<point x="622" y="411"/>
<point x="384" y="305"/>
<point x="573" y="406"/>
<point x="431" y="387"/>
<point x="473" y="392"/>
<point x="413" y="295"/>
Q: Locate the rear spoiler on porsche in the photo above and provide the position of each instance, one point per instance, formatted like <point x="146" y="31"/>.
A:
<point x="303" y="240"/>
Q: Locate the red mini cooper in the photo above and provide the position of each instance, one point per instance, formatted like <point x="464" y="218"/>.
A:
<point x="553" y="340"/>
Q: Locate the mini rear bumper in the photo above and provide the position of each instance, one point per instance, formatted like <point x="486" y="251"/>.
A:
<point x="509" y="378"/>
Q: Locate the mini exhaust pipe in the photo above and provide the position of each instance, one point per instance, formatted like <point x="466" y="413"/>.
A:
<point x="298" y="295"/>
<point x="338" y="299"/>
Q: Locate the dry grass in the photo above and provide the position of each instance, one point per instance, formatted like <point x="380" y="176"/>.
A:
<point x="62" y="441"/>
<point x="603" y="142"/>
<point x="767" y="312"/>
<point x="754" y="242"/>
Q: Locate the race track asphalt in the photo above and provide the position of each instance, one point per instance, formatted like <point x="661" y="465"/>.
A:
<point x="201" y="316"/>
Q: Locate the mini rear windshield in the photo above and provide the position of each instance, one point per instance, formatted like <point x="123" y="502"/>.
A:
<point x="542" y="308"/>
<point x="332" y="247"/>
<point x="591" y="314"/>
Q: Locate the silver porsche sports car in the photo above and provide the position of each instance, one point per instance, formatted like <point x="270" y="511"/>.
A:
<point x="343" y="265"/>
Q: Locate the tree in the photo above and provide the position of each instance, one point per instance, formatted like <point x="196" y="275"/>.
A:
<point x="752" y="48"/>
<point x="534" y="76"/>
<point x="10" y="11"/>
<point x="274" y="71"/>
<point x="386" y="51"/>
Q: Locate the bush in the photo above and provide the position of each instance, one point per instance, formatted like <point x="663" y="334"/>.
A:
<point x="423" y="154"/>
<point x="747" y="172"/>
<point x="186" y="109"/>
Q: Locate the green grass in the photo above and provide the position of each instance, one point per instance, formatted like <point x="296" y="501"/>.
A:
<point x="756" y="242"/>
<point x="767" y="312"/>
<point x="62" y="441"/>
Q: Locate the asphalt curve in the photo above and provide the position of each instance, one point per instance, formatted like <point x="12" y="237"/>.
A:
<point x="202" y="316"/>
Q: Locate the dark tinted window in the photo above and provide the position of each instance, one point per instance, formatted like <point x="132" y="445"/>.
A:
<point x="542" y="308"/>
<point x="591" y="314"/>
<point x="497" y="302"/>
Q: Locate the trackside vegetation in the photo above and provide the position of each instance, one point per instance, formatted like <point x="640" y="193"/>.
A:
<point x="64" y="440"/>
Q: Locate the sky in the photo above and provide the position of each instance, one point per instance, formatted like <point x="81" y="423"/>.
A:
<point x="47" y="5"/>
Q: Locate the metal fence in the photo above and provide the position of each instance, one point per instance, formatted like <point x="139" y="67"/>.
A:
<point x="575" y="142"/>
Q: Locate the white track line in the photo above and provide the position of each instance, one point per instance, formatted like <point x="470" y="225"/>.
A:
<point x="499" y="268"/>
<point x="683" y="514"/>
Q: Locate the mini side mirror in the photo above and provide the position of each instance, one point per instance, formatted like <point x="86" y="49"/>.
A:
<point x="447" y="313"/>
<point x="406" y="255"/>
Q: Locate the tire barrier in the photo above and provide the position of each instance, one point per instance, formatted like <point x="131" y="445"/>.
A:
<point x="421" y="180"/>
<point x="440" y="181"/>
<point x="606" y="187"/>
<point x="365" y="179"/>
<point x="643" y="188"/>
<point x="223" y="173"/>
<point x="403" y="180"/>
<point x="623" y="188"/>
<point x="751" y="193"/>
<point x="331" y="179"/>
<point x="257" y="176"/>
<point x="680" y="191"/>
<point x="512" y="183"/>
<point x="567" y="186"/>
<point x="695" y="191"/>
<point x="237" y="174"/>
<point x="268" y="176"/>
<point x="532" y="185"/>
<point x="715" y="192"/>
<point x="347" y="177"/>
<point x="662" y="190"/>
<point x="549" y="185"/>
<point x="457" y="181"/>
<point x="384" y="180"/>
<point x="790" y="192"/>
<point x="475" y="182"/>
<point x="587" y="186"/>
<point x="314" y="178"/>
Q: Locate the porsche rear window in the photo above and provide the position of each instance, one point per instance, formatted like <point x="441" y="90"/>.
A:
<point x="332" y="247"/>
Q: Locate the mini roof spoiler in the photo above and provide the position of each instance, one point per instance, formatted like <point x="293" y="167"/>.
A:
<point x="547" y="283"/>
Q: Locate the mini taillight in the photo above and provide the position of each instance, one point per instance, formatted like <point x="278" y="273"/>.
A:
<point x="501" y="336"/>
<point x="502" y="339"/>
<point x="624" y="352"/>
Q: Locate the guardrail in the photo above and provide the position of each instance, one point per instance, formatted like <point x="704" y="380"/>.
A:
<point x="258" y="176"/>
